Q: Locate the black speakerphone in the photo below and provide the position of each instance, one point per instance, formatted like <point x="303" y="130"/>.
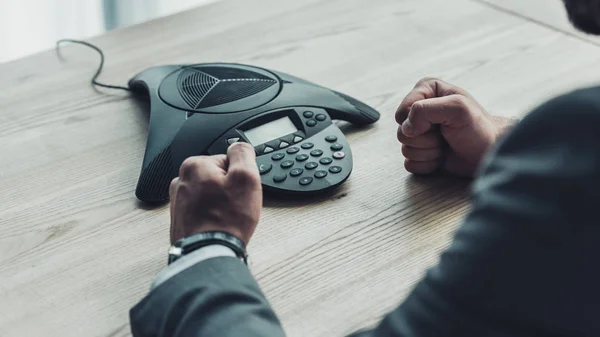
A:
<point x="203" y="108"/>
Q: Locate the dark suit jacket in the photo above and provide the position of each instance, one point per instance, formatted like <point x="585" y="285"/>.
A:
<point x="525" y="262"/>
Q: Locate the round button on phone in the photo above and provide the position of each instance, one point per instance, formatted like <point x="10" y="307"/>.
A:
<point x="335" y="169"/>
<point x="307" y="145"/>
<point x="316" y="153"/>
<point x="325" y="160"/>
<point x="287" y="164"/>
<point x="320" y="174"/>
<point x="305" y="181"/>
<point x="311" y="165"/>
<point x="311" y="122"/>
<point x="339" y="155"/>
<point x="308" y="114"/>
<point x="320" y="117"/>
<point x="279" y="177"/>
<point x="336" y="146"/>
<point x="296" y="172"/>
<point x="277" y="156"/>
<point x="331" y="138"/>
<point x="301" y="157"/>
<point x="292" y="149"/>
<point x="265" y="168"/>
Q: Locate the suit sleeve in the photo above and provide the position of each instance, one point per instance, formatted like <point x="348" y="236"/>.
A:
<point x="525" y="262"/>
<point x="216" y="297"/>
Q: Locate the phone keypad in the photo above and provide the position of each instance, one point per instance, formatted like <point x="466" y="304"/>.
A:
<point x="295" y="170"/>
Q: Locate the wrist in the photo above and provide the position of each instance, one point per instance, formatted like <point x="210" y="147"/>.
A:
<point x="503" y="124"/>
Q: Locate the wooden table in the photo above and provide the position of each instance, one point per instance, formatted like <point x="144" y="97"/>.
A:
<point x="77" y="249"/>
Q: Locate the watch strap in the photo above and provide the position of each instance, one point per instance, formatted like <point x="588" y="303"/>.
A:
<point x="194" y="242"/>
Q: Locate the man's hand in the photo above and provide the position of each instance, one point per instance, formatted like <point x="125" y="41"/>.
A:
<point x="442" y="126"/>
<point x="220" y="192"/>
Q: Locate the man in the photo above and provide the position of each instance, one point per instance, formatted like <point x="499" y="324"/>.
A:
<point x="523" y="263"/>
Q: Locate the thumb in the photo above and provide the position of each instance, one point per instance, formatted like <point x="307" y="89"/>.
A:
<point x="451" y="111"/>
<point x="241" y="156"/>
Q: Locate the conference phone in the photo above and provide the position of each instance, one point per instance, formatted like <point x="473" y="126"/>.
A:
<point x="201" y="109"/>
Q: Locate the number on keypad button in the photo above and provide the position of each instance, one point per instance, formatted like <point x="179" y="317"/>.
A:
<point x="311" y="165"/>
<point x="296" y="172"/>
<point x="316" y="153"/>
<point x="287" y="164"/>
<point x="325" y="160"/>
<point x="277" y="156"/>
<point x="305" y="181"/>
<point x="335" y="169"/>
<point x="336" y="147"/>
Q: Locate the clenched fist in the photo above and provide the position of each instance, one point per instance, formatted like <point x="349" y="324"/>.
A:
<point x="221" y="192"/>
<point x="443" y="126"/>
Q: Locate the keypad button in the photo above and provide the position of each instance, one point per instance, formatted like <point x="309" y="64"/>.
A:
<point x="292" y="150"/>
<point x="305" y="181"/>
<point x="301" y="157"/>
<point x="316" y="153"/>
<point x="331" y="138"/>
<point x="287" y="164"/>
<point x="311" y="122"/>
<point x="264" y="168"/>
<point x="308" y="114"/>
<point x="325" y="160"/>
<point x="297" y="139"/>
<point x="336" y="146"/>
<point x="283" y="145"/>
<point x="335" y="169"/>
<point x="320" y="117"/>
<point x="278" y="156"/>
<point x="339" y="155"/>
<point x="296" y="172"/>
<point x="233" y="140"/>
<point x="320" y="174"/>
<point x="279" y="177"/>
<point x="311" y="165"/>
<point x="268" y="149"/>
<point x="307" y="145"/>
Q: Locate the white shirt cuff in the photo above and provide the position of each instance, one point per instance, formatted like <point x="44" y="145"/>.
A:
<point x="189" y="260"/>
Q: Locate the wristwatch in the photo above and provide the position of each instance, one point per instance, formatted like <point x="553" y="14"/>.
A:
<point x="191" y="243"/>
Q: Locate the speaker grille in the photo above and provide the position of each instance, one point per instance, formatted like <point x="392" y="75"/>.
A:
<point x="205" y="87"/>
<point x="364" y="109"/>
<point x="225" y="73"/>
<point x="232" y="90"/>
<point x="153" y="185"/>
<point x="193" y="86"/>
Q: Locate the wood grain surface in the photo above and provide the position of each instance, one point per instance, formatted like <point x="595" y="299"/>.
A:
<point x="77" y="249"/>
<point x="551" y="14"/>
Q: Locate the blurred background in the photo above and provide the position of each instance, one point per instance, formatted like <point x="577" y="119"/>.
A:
<point x="30" y="26"/>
